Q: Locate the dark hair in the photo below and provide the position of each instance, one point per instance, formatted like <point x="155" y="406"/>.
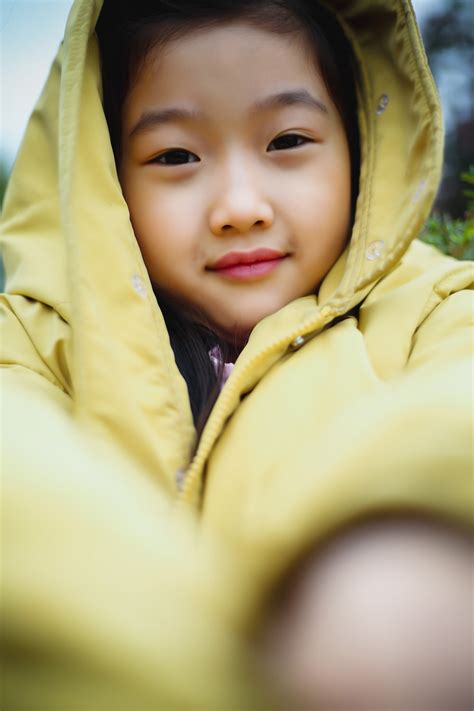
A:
<point x="128" y="30"/>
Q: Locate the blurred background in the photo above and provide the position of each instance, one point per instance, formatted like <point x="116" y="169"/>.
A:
<point x="31" y="30"/>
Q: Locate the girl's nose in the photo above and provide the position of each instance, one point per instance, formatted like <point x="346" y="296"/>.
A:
<point x="239" y="209"/>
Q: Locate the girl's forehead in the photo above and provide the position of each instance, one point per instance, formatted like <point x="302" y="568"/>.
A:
<point x="221" y="38"/>
<point x="236" y="62"/>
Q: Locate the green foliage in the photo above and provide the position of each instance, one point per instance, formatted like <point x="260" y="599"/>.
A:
<point x="454" y="236"/>
<point x="469" y="193"/>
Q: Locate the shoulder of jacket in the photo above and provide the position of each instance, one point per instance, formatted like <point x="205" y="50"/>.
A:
<point x="424" y="270"/>
<point x="426" y="259"/>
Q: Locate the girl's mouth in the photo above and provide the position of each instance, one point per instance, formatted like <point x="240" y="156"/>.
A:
<point x="248" y="265"/>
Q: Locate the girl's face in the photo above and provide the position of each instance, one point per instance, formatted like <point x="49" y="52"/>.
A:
<point x="236" y="170"/>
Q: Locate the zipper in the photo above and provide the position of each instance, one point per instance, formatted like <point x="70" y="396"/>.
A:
<point x="191" y="478"/>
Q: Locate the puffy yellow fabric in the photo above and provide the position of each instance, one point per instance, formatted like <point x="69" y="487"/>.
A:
<point x="352" y="402"/>
<point x="106" y="603"/>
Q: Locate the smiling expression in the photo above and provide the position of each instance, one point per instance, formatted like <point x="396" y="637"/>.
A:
<point x="236" y="170"/>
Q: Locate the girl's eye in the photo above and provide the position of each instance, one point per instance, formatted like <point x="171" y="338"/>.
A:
<point x="177" y="156"/>
<point x="289" y="140"/>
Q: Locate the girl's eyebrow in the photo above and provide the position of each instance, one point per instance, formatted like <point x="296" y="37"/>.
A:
<point x="289" y="98"/>
<point x="157" y="117"/>
<point x="152" y="118"/>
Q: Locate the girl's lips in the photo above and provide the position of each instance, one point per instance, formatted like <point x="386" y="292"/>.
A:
<point x="249" y="271"/>
<point x="247" y="265"/>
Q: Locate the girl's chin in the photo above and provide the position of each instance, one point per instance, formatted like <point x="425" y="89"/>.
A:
<point x="235" y="337"/>
<point x="240" y="330"/>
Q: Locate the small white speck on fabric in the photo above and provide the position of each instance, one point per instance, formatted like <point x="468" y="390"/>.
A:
<point x="374" y="250"/>
<point x="382" y="104"/>
<point x="138" y="285"/>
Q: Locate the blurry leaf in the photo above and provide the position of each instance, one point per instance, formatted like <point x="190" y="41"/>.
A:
<point x="454" y="237"/>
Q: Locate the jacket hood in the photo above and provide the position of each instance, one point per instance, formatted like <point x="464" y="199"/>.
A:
<point x="76" y="282"/>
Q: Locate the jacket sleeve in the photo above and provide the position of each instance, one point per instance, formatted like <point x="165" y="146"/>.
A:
<point x="405" y="448"/>
<point x="444" y="341"/>
<point x="106" y="601"/>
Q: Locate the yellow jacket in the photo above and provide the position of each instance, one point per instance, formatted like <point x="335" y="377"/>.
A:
<point x="348" y="403"/>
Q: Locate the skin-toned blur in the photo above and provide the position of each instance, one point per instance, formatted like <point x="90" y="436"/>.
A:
<point x="379" y="619"/>
<point x="240" y="173"/>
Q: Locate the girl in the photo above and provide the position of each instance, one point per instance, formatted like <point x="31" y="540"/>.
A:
<point x="201" y="186"/>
